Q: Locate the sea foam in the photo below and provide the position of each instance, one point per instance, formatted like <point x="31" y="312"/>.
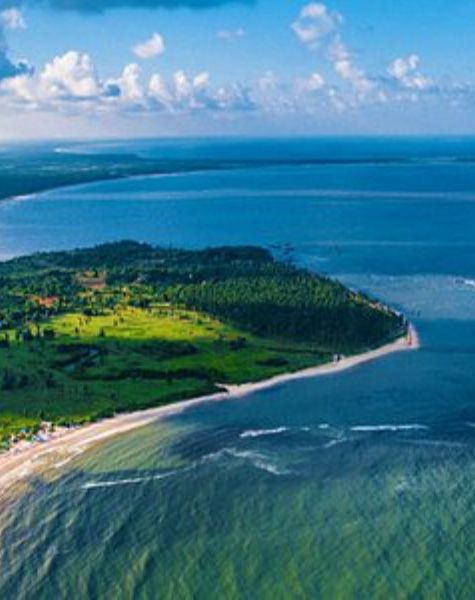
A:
<point x="391" y="428"/>
<point x="336" y="442"/>
<point x="469" y="283"/>
<point x="257" y="459"/>
<point x="92" y="485"/>
<point x="253" y="433"/>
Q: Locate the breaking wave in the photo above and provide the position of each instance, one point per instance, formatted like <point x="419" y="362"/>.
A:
<point x="390" y="428"/>
<point x="468" y="283"/>
<point x="92" y="485"/>
<point x="258" y="460"/>
<point x="255" y="433"/>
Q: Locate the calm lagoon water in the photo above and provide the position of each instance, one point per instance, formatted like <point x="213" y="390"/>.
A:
<point x="358" y="485"/>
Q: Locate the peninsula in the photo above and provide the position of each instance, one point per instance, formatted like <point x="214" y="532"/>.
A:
<point x="126" y="327"/>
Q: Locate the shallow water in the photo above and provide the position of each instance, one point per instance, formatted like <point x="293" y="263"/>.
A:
<point x="351" y="485"/>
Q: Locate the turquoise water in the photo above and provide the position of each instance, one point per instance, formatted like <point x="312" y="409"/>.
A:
<point x="357" y="485"/>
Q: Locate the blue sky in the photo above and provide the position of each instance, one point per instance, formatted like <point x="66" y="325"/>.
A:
<point x="263" y="67"/>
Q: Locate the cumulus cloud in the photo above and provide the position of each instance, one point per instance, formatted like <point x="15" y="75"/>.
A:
<point x="316" y="26"/>
<point x="72" y="75"/>
<point x="185" y="93"/>
<point x="159" y="93"/>
<point x="235" y="97"/>
<point x="195" y="93"/>
<point x="155" y="46"/>
<point x="342" y="62"/>
<point x="314" y="83"/>
<point x="128" y="85"/>
<point x="67" y="80"/>
<point x="406" y="73"/>
<point x="314" y="23"/>
<point x="268" y="81"/>
<point x="192" y="92"/>
<point x="231" y="35"/>
<point x="70" y="82"/>
<point x="12" y="18"/>
<point x="18" y="90"/>
<point x="70" y="78"/>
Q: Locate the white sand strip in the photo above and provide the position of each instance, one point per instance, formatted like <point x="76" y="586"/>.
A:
<point x="22" y="462"/>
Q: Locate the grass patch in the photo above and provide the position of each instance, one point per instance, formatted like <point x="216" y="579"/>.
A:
<point x="129" y="360"/>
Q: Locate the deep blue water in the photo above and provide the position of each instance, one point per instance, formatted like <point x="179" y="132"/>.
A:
<point x="300" y="491"/>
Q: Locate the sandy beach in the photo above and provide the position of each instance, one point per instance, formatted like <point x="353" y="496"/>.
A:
<point x="22" y="462"/>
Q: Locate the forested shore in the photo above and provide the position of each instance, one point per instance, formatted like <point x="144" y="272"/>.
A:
<point x="85" y="334"/>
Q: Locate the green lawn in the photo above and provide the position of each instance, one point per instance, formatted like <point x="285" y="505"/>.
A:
<point x="132" y="359"/>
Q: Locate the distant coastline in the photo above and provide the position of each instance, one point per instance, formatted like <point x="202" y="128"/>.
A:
<point x="20" y="463"/>
<point x="139" y="167"/>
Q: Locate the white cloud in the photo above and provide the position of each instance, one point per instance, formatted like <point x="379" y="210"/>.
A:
<point x="69" y="79"/>
<point x="317" y="25"/>
<point x="192" y="93"/>
<point x="234" y="97"/>
<point x="128" y="85"/>
<point x="20" y="89"/>
<point x="12" y="18"/>
<point x="70" y="83"/>
<point x="72" y="75"/>
<point x="187" y="93"/>
<point x="159" y="93"/>
<point x="405" y="71"/>
<point x="314" y="83"/>
<point x="184" y="93"/>
<point x="268" y="81"/>
<point x="342" y="62"/>
<point x="151" y="48"/>
<point x="183" y="86"/>
<point x="201" y="81"/>
<point x="231" y="35"/>
<point x="314" y="23"/>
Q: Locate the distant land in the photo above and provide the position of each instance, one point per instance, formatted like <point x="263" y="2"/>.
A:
<point x="121" y="327"/>
<point x="31" y="169"/>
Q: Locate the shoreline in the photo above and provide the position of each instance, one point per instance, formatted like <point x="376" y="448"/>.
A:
<point x="19" y="464"/>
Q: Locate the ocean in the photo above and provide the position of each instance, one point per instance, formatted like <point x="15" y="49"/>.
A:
<point x="353" y="485"/>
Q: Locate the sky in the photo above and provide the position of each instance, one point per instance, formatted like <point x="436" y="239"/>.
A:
<point x="120" y="68"/>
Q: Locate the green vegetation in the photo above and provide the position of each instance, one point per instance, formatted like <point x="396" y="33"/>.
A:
<point x="28" y="169"/>
<point x="125" y="326"/>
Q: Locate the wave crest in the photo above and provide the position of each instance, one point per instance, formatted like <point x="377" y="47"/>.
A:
<point x="388" y="428"/>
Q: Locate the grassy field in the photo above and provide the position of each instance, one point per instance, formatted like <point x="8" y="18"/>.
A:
<point x="130" y="359"/>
